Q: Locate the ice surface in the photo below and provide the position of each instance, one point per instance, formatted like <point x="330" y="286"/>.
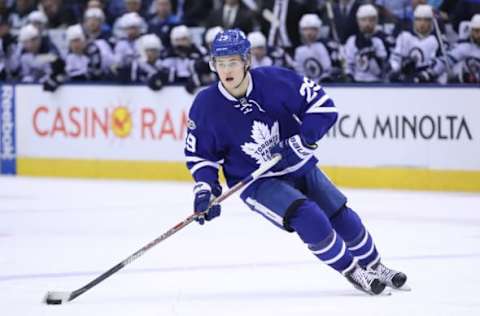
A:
<point x="57" y="235"/>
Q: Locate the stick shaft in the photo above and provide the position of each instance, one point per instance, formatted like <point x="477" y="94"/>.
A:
<point x="261" y="170"/>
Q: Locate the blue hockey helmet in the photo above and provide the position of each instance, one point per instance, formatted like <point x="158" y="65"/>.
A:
<point x="230" y="42"/>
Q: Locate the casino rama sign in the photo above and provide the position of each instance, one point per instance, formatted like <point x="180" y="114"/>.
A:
<point x="416" y="127"/>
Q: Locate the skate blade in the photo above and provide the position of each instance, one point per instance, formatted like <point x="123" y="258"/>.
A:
<point x="404" y="288"/>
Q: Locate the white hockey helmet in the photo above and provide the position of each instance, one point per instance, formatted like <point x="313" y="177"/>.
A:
<point x="27" y="33"/>
<point x="310" y="20"/>
<point x="475" y="22"/>
<point x="131" y="19"/>
<point x="211" y="33"/>
<point x="179" y="31"/>
<point x="257" y="39"/>
<point x="423" y="11"/>
<point x="75" y="32"/>
<point x="366" y="10"/>
<point x="94" y="13"/>
<point x="151" y="41"/>
<point x="37" y="17"/>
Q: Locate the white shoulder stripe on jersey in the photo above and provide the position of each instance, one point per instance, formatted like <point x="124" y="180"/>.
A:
<point x="199" y="159"/>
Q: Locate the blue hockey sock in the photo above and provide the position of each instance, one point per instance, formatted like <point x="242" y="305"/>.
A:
<point x="314" y="228"/>
<point x="348" y="224"/>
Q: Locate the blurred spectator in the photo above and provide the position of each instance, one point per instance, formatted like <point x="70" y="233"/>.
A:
<point x="184" y="59"/>
<point x="126" y="50"/>
<point x="259" y="50"/>
<point x="280" y="23"/>
<point x="86" y="60"/>
<point x="19" y="14"/>
<point x="163" y="21"/>
<point x="7" y="46"/>
<point x="58" y="14"/>
<point x="344" y="12"/>
<point x="366" y="51"/>
<point x="395" y="10"/>
<point x="94" y="25"/>
<point x="464" y="58"/>
<point x="415" y="51"/>
<point x="312" y="59"/>
<point x="233" y="14"/>
<point x="192" y="12"/>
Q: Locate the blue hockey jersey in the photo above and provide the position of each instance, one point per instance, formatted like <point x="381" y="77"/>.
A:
<point x="237" y="134"/>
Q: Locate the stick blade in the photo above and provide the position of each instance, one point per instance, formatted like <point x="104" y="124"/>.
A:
<point x="56" y="298"/>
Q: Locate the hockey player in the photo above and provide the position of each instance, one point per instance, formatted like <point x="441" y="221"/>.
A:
<point x="366" y="51"/>
<point x="94" y="25"/>
<point x="312" y="59"/>
<point x="184" y="59"/>
<point x="87" y="60"/>
<point x="247" y="117"/>
<point x="259" y="50"/>
<point x="464" y="58"/>
<point x="415" y="51"/>
<point x="148" y="68"/>
<point x="126" y="49"/>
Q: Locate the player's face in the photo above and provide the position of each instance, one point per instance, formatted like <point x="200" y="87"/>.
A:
<point x="230" y="70"/>
<point x="133" y="32"/>
<point x="93" y="24"/>
<point x="475" y="34"/>
<point x="259" y="52"/>
<point x="32" y="45"/>
<point x="152" y="55"/>
<point x="423" y="26"/>
<point x="367" y="24"/>
<point x="310" y="34"/>
<point x="77" y="45"/>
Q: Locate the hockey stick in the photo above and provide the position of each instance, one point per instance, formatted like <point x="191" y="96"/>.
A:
<point x="336" y="38"/>
<point x="58" y="297"/>
<point x="442" y="46"/>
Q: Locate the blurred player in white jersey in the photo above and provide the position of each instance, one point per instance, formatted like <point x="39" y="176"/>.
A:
<point x="464" y="58"/>
<point x="259" y="50"/>
<point x="416" y="51"/>
<point x="312" y="59"/>
<point x="366" y="52"/>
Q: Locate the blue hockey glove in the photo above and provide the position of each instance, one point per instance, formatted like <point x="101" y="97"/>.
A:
<point x="293" y="150"/>
<point x="203" y="196"/>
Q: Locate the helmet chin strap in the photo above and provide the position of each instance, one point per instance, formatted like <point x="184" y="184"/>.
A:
<point x="247" y="66"/>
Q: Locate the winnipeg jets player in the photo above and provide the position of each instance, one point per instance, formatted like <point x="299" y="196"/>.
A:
<point x="366" y="51"/>
<point x="312" y="59"/>
<point x="416" y="51"/>
<point x="239" y="122"/>
<point x="464" y="58"/>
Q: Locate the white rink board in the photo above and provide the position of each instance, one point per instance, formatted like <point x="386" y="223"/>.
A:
<point x="77" y="122"/>
<point x="378" y="127"/>
<point x="422" y="128"/>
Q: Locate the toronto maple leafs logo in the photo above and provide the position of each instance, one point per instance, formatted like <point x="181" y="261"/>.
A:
<point x="264" y="139"/>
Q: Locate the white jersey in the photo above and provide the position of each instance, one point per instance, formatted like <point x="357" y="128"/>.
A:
<point x="93" y="64"/>
<point x="35" y="68"/>
<point x="181" y="65"/>
<point x="365" y="58"/>
<point x="265" y="61"/>
<point x="126" y="51"/>
<point x="464" y="58"/>
<point x="422" y="51"/>
<point x="313" y="61"/>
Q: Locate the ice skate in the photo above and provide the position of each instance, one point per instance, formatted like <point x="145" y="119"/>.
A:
<point x="390" y="277"/>
<point x="364" y="280"/>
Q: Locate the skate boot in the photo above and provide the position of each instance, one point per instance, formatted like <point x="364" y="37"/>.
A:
<point x="391" y="278"/>
<point x="364" y="280"/>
